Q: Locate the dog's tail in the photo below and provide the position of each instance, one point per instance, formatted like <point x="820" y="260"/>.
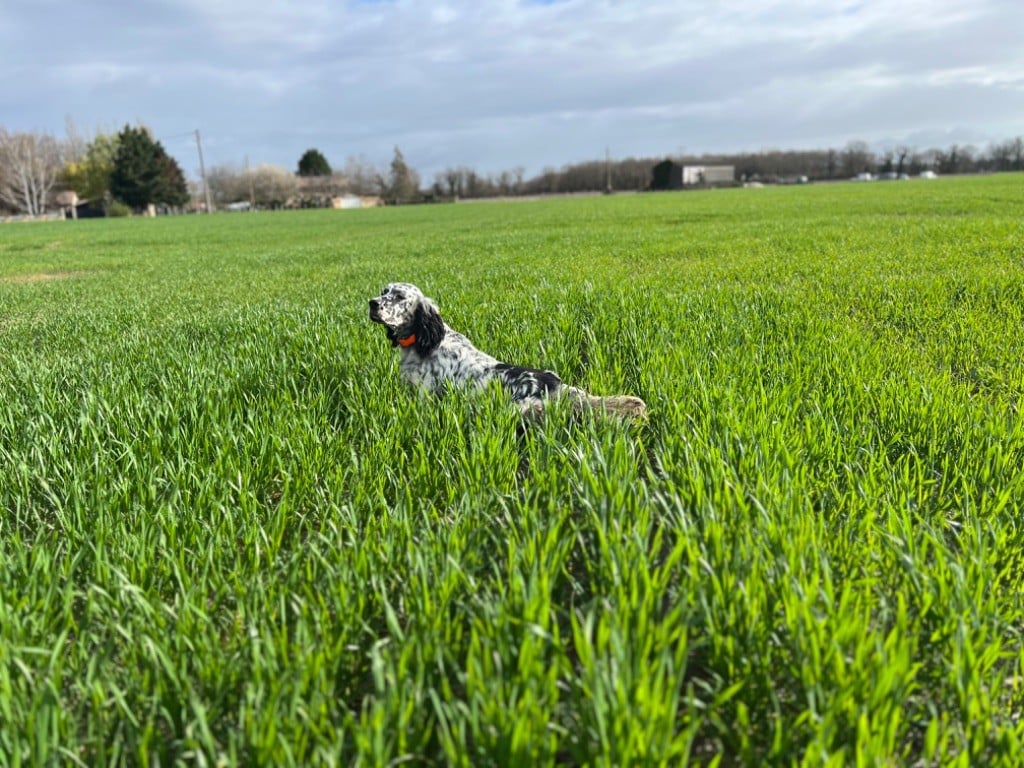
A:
<point x="623" y="406"/>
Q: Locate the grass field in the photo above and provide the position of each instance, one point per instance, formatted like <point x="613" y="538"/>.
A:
<point x="230" y="535"/>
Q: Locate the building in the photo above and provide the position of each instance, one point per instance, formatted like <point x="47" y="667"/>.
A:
<point x="350" y="201"/>
<point x="671" y="175"/>
<point x="708" y="174"/>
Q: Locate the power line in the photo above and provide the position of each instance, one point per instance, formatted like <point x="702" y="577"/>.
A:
<point x="188" y="135"/>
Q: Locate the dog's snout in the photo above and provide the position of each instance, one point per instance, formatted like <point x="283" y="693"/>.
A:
<point x="374" y="304"/>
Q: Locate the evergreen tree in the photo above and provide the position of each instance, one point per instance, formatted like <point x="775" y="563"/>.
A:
<point x="313" y="163"/>
<point x="173" y="187"/>
<point x="404" y="182"/>
<point x="144" y="173"/>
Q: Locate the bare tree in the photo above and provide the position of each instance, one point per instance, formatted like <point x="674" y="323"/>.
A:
<point x="75" y="143"/>
<point x="472" y="183"/>
<point x="886" y="160"/>
<point x="268" y="186"/>
<point x="272" y="185"/>
<point x="362" y="176"/>
<point x="831" y="163"/>
<point x="1018" y="153"/>
<point x="857" y="158"/>
<point x="1006" y="156"/>
<point x="453" y="180"/>
<point x="930" y="159"/>
<point x="1002" y="156"/>
<point x="956" y="159"/>
<point x="29" y="165"/>
<point x="227" y="185"/>
<point x="902" y="152"/>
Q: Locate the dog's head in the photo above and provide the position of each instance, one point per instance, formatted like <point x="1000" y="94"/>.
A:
<point x="411" y="319"/>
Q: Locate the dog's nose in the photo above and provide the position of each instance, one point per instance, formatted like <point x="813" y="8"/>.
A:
<point x="374" y="304"/>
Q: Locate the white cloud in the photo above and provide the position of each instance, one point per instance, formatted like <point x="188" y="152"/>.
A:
<point x="500" y="83"/>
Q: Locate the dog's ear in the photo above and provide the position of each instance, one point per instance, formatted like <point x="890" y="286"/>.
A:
<point x="428" y="327"/>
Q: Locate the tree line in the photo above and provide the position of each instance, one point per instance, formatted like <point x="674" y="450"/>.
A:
<point x="121" y="173"/>
<point x="315" y="181"/>
<point x="314" y="184"/>
<point x="130" y="171"/>
<point x="770" y="165"/>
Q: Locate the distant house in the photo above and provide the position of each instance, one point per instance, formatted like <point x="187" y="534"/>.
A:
<point x="671" y="175"/>
<point x="350" y="201"/>
<point x="708" y="174"/>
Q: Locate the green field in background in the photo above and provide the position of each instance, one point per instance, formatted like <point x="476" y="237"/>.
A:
<point x="230" y="535"/>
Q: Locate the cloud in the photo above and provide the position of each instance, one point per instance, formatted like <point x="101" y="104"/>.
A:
<point x="502" y="83"/>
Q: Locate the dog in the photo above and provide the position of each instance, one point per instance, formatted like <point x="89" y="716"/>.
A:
<point x="433" y="356"/>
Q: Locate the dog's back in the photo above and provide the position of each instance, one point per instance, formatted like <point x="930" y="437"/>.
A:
<point x="434" y="356"/>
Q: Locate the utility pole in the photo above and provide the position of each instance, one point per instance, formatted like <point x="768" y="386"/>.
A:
<point x="202" y="172"/>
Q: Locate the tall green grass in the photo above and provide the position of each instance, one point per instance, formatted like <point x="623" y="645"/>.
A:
<point x="230" y="535"/>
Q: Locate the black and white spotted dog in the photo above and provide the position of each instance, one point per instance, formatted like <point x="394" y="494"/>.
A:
<point x="433" y="355"/>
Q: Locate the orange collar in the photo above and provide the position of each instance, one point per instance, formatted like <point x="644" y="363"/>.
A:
<point x="408" y="341"/>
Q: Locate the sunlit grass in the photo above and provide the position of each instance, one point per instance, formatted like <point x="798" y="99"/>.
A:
<point x="230" y="534"/>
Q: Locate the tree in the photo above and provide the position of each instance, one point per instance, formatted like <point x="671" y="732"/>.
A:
<point x="902" y="152"/>
<point x="144" y="174"/>
<point x="661" y="175"/>
<point x="451" y="178"/>
<point x="857" y="158"/>
<point x="403" y="182"/>
<point x="227" y="185"/>
<point x="266" y="186"/>
<point x="75" y="144"/>
<point x="313" y="163"/>
<point x="174" y="188"/>
<point x="887" y="158"/>
<point x="362" y="177"/>
<point x="957" y="160"/>
<point x="89" y="175"/>
<point x="272" y="185"/>
<point x="29" y="165"/>
<point x="831" y="164"/>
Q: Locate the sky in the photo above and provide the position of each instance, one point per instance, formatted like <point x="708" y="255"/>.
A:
<point x="496" y="85"/>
